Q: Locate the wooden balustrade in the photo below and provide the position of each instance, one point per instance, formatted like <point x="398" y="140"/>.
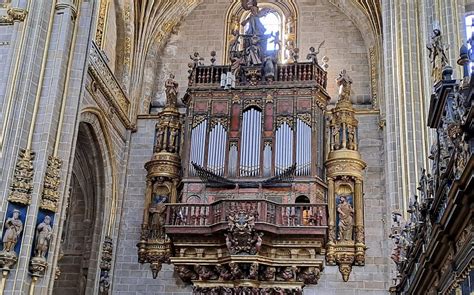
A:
<point x="284" y="215"/>
<point x="295" y="72"/>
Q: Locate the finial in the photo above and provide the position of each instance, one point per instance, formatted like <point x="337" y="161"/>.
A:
<point x="213" y="57"/>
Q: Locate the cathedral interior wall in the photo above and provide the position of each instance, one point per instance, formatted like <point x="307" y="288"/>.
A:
<point x="131" y="277"/>
<point x="203" y="31"/>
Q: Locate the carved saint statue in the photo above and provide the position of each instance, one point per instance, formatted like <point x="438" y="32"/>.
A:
<point x="160" y="133"/>
<point x="351" y="144"/>
<point x="157" y="212"/>
<point x="437" y="51"/>
<point x="253" y="52"/>
<point x="14" y="226"/>
<point x="171" y="91"/>
<point x="345" y="225"/>
<point x="172" y="142"/>
<point x="44" y="232"/>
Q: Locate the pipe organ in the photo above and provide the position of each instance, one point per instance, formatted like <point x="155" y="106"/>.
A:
<point x="258" y="141"/>
<point x="251" y="180"/>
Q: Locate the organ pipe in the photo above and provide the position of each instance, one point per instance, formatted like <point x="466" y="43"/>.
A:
<point x="250" y="143"/>
<point x="198" y="136"/>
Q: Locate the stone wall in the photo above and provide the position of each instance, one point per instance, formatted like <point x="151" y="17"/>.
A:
<point x="129" y="276"/>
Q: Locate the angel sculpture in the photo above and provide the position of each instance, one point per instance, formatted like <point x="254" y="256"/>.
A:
<point x="313" y="54"/>
<point x="255" y="27"/>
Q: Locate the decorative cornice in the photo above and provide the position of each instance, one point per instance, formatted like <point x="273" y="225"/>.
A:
<point x="113" y="92"/>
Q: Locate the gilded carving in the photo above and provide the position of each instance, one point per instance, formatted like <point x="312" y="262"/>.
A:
<point x="284" y="119"/>
<point x="22" y="186"/>
<point x="241" y="237"/>
<point x="253" y="102"/>
<point x="346" y="223"/>
<point x="344" y="166"/>
<point x="101" y="22"/>
<point x="306" y="118"/>
<point x="13" y="15"/>
<point x="50" y="195"/>
<point x="109" y="85"/>
<point x="373" y="76"/>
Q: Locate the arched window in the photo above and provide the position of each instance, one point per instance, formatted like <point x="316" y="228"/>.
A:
<point x="277" y="17"/>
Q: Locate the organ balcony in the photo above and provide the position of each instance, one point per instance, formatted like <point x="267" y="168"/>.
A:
<point x="230" y="237"/>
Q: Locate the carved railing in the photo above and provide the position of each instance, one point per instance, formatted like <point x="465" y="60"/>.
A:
<point x="264" y="212"/>
<point x="210" y="76"/>
<point x="438" y="211"/>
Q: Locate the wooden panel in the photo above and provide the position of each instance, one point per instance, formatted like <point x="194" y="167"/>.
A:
<point x="269" y="117"/>
<point x="219" y="107"/>
<point x="200" y="106"/>
<point x="304" y="104"/>
<point x="284" y="106"/>
<point x="235" y="121"/>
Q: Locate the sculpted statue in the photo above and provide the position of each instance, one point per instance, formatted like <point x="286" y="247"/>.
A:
<point x="437" y="53"/>
<point x="205" y="272"/>
<point x="224" y="272"/>
<point x="255" y="26"/>
<point x="171" y="91"/>
<point x="44" y="232"/>
<point x="197" y="59"/>
<point x="254" y="52"/>
<point x="253" y="271"/>
<point x="309" y="275"/>
<point x="351" y="144"/>
<point x="104" y="284"/>
<point x="160" y="133"/>
<point x="172" y="142"/>
<point x="14" y="227"/>
<point x="157" y="214"/>
<point x="269" y="68"/>
<point x="185" y="273"/>
<point x="286" y="274"/>
<point x="313" y="54"/>
<point x="269" y="273"/>
<point x="235" y="270"/>
<point x="346" y="212"/>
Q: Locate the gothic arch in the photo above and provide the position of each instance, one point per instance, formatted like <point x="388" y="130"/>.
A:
<point x="90" y="208"/>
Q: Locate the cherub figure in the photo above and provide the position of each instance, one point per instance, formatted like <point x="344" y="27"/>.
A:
<point x="313" y="54"/>
<point x="197" y="59"/>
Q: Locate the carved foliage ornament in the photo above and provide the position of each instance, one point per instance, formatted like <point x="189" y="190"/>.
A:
<point x="13" y="15"/>
<point x="50" y="195"/>
<point x="241" y="237"/>
<point x="22" y="186"/>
